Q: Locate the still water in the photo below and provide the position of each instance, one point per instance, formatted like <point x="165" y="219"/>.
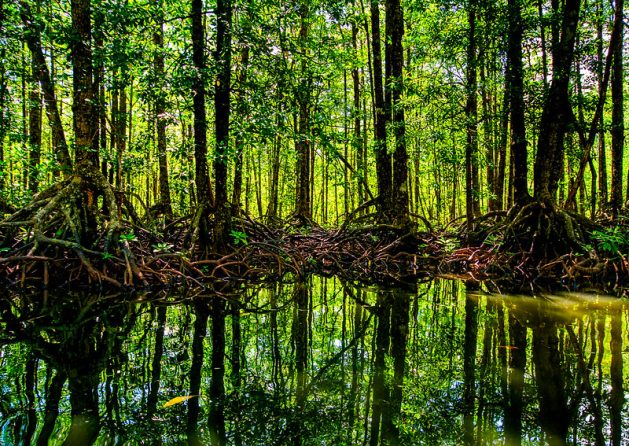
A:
<point x="319" y="362"/>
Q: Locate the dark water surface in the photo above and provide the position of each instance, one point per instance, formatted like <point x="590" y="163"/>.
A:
<point x="315" y="363"/>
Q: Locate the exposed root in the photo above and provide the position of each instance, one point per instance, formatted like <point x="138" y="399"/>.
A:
<point x="532" y="246"/>
<point x="537" y="246"/>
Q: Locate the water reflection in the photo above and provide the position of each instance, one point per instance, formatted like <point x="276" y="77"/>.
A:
<point x="315" y="362"/>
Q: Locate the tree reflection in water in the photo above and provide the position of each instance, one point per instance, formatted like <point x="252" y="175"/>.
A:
<point x="314" y="362"/>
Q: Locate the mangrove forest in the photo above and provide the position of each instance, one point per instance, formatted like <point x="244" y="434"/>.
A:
<point x="314" y="222"/>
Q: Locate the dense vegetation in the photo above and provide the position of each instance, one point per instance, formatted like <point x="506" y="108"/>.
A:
<point x="168" y="124"/>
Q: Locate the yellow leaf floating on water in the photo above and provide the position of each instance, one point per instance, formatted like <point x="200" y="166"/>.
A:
<point x="178" y="400"/>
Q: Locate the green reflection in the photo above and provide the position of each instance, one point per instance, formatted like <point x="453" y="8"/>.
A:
<point x="315" y="362"/>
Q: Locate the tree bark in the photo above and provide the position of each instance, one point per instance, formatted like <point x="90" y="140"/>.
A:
<point x="383" y="159"/>
<point x="222" y="109"/>
<point x="3" y="98"/>
<point x="515" y="85"/>
<point x="239" y="141"/>
<point x="303" y="205"/>
<point x="602" y="156"/>
<point x="357" y="138"/>
<point x="618" y="127"/>
<point x="394" y="34"/>
<point x="83" y="96"/>
<point x="34" y="129"/>
<point x="556" y="113"/>
<point x="160" y="113"/>
<point x="84" y="124"/>
<point x="33" y="41"/>
<point x="471" y="113"/>
<point x="202" y="179"/>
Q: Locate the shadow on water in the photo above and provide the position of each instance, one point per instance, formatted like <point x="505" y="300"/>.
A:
<point x="314" y="362"/>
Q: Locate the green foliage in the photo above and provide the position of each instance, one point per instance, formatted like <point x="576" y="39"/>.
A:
<point x="107" y="256"/>
<point x="127" y="237"/>
<point x="240" y="238"/>
<point x="612" y="241"/>
<point x="162" y="247"/>
<point x="448" y="243"/>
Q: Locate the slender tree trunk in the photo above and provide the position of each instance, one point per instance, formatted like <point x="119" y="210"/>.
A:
<point x="471" y="113"/>
<point x="502" y="148"/>
<point x="271" y="212"/>
<point x="515" y="86"/>
<point x="587" y="141"/>
<point x="303" y="202"/>
<point x="618" y="127"/>
<point x="602" y="155"/>
<point x="357" y="138"/>
<point x="34" y="130"/>
<point x="202" y="179"/>
<point x="160" y="113"/>
<point x="3" y="106"/>
<point x="542" y="27"/>
<point x="222" y="109"/>
<point x="383" y="159"/>
<point x="394" y="34"/>
<point x="121" y="131"/>
<point x="240" y="142"/>
<point x="33" y="41"/>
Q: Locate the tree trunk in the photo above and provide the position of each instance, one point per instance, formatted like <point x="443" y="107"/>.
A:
<point x="357" y="138"/>
<point x="202" y="179"/>
<point x="303" y="208"/>
<point x="83" y="96"/>
<point x="34" y="129"/>
<point x="602" y="156"/>
<point x="471" y="113"/>
<point x="383" y="159"/>
<point x="394" y="34"/>
<point x="556" y="112"/>
<point x="515" y="86"/>
<point x="502" y="150"/>
<point x="84" y="124"/>
<point x="222" y="113"/>
<point x="33" y="41"/>
<point x="618" y="127"/>
<point x="3" y="98"/>
<point x="240" y="142"/>
<point x="121" y="131"/>
<point x="160" y="113"/>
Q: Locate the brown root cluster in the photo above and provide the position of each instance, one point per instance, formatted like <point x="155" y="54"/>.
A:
<point x="537" y="246"/>
<point x="531" y="247"/>
<point x="42" y="248"/>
